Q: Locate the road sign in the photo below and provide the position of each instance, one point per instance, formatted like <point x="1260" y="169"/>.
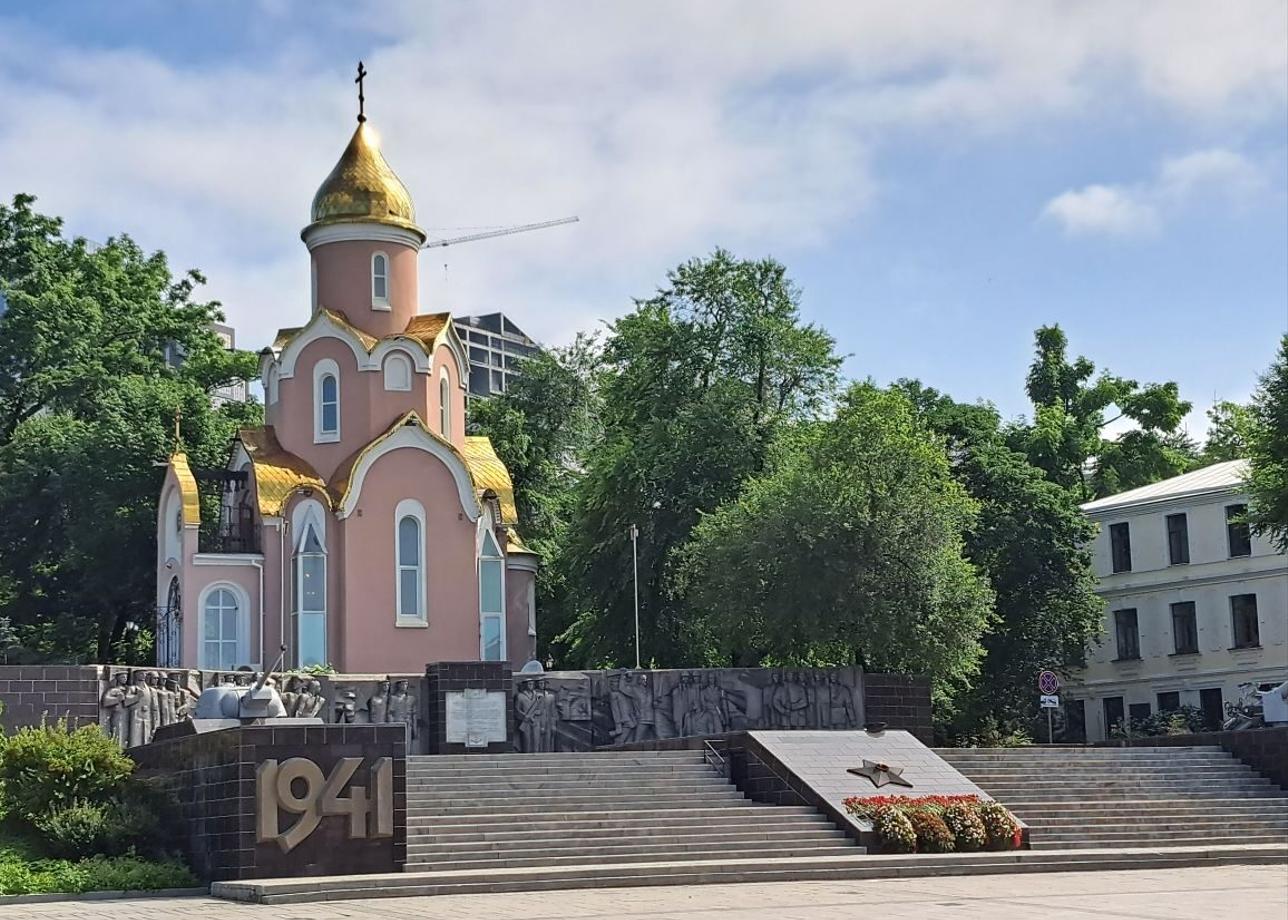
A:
<point x="1049" y="701"/>
<point x="1048" y="682"/>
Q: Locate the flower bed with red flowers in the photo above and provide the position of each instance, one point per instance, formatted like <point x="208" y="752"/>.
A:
<point x="937" y="823"/>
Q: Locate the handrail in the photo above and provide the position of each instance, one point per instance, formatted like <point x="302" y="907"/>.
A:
<point x="709" y="751"/>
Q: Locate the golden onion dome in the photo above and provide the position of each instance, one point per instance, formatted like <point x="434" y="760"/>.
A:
<point x="362" y="187"/>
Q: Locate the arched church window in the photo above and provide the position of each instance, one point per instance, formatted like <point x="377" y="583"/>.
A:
<point x="326" y="401"/>
<point x="308" y="586"/>
<point x="491" y="600"/>
<point x="380" y="281"/>
<point x="221" y="630"/>
<point x="271" y="384"/>
<point x="444" y="404"/>
<point x="397" y="372"/>
<point x="409" y="550"/>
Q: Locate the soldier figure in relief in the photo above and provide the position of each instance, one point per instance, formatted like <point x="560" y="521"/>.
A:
<point x="378" y="703"/>
<point x="113" y="705"/>
<point x="402" y="707"/>
<point x="525" y="716"/>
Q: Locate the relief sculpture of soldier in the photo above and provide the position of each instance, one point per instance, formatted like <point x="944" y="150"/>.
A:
<point x="401" y="706"/>
<point x="636" y="686"/>
<point x="378" y="703"/>
<point x="625" y="710"/>
<point x="711" y="699"/>
<point x="115" y="713"/>
<point x="842" y="713"/>
<point x="526" y="717"/>
<point x="549" y="716"/>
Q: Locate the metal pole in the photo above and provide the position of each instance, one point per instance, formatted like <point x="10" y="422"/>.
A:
<point x="635" y="568"/>
<point x="1050" y="730"/>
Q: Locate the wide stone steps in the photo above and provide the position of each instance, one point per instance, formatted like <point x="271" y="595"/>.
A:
<point x="749" y="813"/>
<point x="567" y="804"/>
<point x="1119" y="798"/>
<point x="623" y="853"/>
<point x="827" y="868"/>
<point x="611" y="837"/>
<point x="563" y="787"/>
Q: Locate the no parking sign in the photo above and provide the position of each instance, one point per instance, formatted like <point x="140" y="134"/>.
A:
<point x="1048" y="683"/>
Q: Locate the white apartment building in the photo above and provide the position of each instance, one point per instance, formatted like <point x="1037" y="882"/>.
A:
<point x="1195" y="605"/>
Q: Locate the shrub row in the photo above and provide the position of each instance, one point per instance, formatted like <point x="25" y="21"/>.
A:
<point x="937" y="823"/>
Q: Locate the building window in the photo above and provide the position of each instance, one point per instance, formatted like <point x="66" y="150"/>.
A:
<point x="1127" y="634"/>
<point x="1185" y="630"/>
<point x="326" y="402"/>
<point x="1120" y="546"/>
<point x="491" y="600"/>
<point x="409" y="543"/>
<point x="498" y="382"/>
<point x="271" y="385"/>
<point x="1113" y="713"/>
<point x="221" y="630"/>
<point x="1169" y="702"/>
<point x="397" y="372"/>
<point x="444" y="404"/>
<point x="1138" y="712"/>
<point x="1237" y="531"/>
<point x="308" y="584"/>
<point x="380" y="281"/>
<point x="1213" y="707"/>
<point x="1247" y="630"/>
<point x="1178" y="539"/>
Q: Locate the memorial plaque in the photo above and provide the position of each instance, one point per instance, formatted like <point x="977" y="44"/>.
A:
<point x="475" y="717"/>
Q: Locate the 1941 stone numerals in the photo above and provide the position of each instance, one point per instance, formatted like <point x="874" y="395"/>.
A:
<point x="276" y="785"/>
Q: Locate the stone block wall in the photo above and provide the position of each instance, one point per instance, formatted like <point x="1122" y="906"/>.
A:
<point x="34" y="693"/>
<point x="210" y="779"/>
<point x="444" y="677"/>
<point x="901" y="701"/>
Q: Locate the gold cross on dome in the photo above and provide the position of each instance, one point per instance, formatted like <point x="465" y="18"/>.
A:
<point x="362" y="72"/>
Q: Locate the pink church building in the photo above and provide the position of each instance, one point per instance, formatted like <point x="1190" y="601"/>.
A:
<point x="360" y="526"/>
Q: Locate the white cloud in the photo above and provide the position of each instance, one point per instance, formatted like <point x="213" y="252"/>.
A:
<point x="669" y="127"/>
<point x="1132" y="210"/>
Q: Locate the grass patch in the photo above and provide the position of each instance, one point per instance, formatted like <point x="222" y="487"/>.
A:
<point x="23" y="870"/>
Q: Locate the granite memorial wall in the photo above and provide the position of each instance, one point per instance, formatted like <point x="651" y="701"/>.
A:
<point x="582" y="710"/>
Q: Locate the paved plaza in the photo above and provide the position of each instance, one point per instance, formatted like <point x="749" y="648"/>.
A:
<point x="1242" y="892"/>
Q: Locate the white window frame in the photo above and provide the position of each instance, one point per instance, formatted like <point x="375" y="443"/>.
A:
<point x="272" y="384"/>
<point x="485" y="615"/>
<point x="308" y="515"/>
<point x="401" y="358"/>
<point x="172" y="526"/>
<point x="322" y="369"/>
<point x="243" y="625"/>
<point x="444" y="404"/>
<point x="409" y="507"/>
<point x="377" y="302"/>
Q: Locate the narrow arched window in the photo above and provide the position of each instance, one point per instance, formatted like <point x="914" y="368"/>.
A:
<point x="221" y="628"/>
<point x="444" y="405"/>
<point x="397" y="372"/>
<point x="491" y="600"/>
<point x="308" y="587"/>
<point x="326" y="401"/>
<point x="409" y="554"/>
<point x="380" y="280"/>
<point x="271" y="385"/>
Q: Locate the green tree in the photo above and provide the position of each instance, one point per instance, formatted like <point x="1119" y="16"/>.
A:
<point x="1031" y="542"/>
<point x="697" y="382"/>
<point x="541" y="428"/>
<point x="1067" y="438"/>
<point x="87" y="410"/>
<point x="1268" y="469"/>
<point x="847" y="548"/>
<point x="1231" y="427"/>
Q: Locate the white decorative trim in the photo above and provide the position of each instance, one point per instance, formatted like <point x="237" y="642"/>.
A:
<point x="309" y="511"/>
<point x="227" y="558"/>
<point x="320" y="327"/>
<point x="381" y="303"/>
<point x="407" y="345"/>
<point x="484" y="537"/>
<point x="402" y="357"/>
<point x="444" y="403"/>
<point x="414" y="436"/>
<point x="364" y="231"/>
<point x="409" y="507"/>
<point x="243" y="620"/>
<point x="321" y="369"/>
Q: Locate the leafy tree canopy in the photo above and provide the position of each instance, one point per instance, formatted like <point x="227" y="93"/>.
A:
<point x="1231" y="428"/>
<point x="848" y="547"/>
<point x="87" y="409"/>
<point x="1071" y="410"/>
<point x="698" y="380"/>
<point x="1268" y="475"/>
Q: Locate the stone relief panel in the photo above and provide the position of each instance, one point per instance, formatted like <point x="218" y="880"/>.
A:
<point x="580" y="710"/>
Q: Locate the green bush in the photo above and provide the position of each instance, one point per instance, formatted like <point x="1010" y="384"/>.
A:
<point x="1003" y="831"/>
<point x="47" y="768"/>
<point x="19" y="875"/>
<point x="968" y="830"/>
<point x="895" y="830"/>
<point x="77" y="830"/>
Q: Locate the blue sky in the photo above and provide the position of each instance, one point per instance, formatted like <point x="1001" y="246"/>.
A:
<point x="940" y="178"/>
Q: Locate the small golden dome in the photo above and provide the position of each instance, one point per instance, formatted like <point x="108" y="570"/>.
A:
<point x="362" y="187"/>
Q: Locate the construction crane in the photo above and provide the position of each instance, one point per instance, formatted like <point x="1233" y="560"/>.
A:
<point x="505" y="231"/>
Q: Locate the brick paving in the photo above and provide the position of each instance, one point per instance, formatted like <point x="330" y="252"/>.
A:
<point x="1243" y="892"/>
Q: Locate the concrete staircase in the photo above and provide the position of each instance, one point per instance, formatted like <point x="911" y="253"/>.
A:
<point x="588" y="809"/>
<point x="1129" y="797"/>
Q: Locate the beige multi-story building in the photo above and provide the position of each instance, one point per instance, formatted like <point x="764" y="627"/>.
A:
<point x="1195" y="604"/>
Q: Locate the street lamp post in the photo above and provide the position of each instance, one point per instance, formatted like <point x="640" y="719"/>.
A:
<point x="635" y="570"/>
